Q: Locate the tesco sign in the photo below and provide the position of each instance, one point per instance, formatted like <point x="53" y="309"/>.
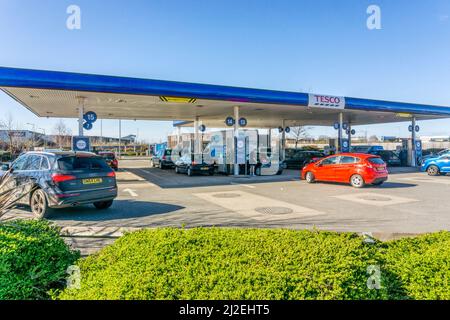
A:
<point x="323" y="101"/>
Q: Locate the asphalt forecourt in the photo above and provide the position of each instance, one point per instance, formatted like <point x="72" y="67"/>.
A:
<point x="409" y="203"/>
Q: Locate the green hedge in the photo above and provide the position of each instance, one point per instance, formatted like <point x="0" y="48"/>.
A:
<point x="219" y="263"/>
<point x="421" y="266"/>
<point x="33" y="260"/>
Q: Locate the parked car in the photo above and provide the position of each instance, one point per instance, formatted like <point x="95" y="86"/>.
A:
<point x="64" y="179"/>
<point x="355" y="168"/>
<point x="297" y="159"/>
<point x="110" y="158"/>
<point x="186" y="164"/>
<point x="437" y="166"/>
<point x="435" y="155"/>
<point x="162" y="159"/>
<point x="365" y="149"/>
<point x="391" y="158"/>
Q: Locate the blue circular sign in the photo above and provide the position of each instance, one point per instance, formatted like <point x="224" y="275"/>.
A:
<point x="345" y="144"/>
<point x="242" y="122"/>
<point x="336" y="125"/>
<point x="417" y="128"/>
<point x="87" y="125"/>
<point x="353" y="132"/>
<point x="410" y="128"/>
<point x="345" y="126"/>
<point x="202" y="128"/>
<point x="287" y="130"/>
<point x="90" y="116"/>
<point x="229" y="121"/>
<point x="280" y="129"/>
<point x="418" y="145"/>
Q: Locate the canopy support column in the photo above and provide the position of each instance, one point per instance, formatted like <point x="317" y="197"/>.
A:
<point x="413" y="143"/>
<point x="80" y="115"/>
<point x="120" y="139"/>
<point x="341" y="123"/>
<point x="349" y="136"/>
<point x="236" y="135"/>
<point x="283" y="140"/>
<point x="197" y="157"/>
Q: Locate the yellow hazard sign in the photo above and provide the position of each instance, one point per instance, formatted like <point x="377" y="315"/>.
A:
<point x="178" y="99"/>
<point x="404" y="115"/>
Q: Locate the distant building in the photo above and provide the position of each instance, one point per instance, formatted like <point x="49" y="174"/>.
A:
<point x="19" y="134"/>
<point x="435" y="138"/>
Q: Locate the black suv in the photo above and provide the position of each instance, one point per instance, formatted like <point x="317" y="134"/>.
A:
<point x="162" y="159"/>
<point x="297" y="159"/>
<point x="64" y="179"/>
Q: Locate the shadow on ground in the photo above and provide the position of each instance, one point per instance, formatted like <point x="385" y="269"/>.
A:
<point x="121" y="209"/>
<point x="167" y="178"/>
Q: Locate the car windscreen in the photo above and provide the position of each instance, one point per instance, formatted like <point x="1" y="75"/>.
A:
<point x="107" y="156"/>
<point x="376" y="160"/>
<point x="81" y="163"/>
<point x="360" y="149"/>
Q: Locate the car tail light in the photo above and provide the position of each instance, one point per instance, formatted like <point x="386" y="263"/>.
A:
<point x="164" y="157"/>
<point x="112" y="174"/>
<point x="56" y="177"/>
<point x="193" y="163"/>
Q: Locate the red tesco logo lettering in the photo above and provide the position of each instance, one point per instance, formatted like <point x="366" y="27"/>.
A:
<point x="328" y="99"/>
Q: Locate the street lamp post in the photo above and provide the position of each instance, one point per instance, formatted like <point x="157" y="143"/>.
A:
<point x="34" y="134"/>
<point x="44" y="137"/>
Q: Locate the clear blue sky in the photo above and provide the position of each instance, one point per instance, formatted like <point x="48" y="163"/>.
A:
<point x="321" y="46"/>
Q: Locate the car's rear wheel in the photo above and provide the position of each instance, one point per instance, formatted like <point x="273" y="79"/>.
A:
<point x="309" y="177"/>
<point x="211" y="172"/>
<point x="190" y="173"/>
<point x="39" y="205"/>
<point x="161" y="165"/>
<point x="258" y="171"/>
<point x="357" y="181"/>
<point x="152" y="164"/>
<point x="433" y="171"/>
<point x="102" y="205"/>
<point x="177" y="170"/>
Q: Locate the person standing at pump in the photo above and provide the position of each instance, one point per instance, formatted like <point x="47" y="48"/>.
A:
<point x="252" y="162"/>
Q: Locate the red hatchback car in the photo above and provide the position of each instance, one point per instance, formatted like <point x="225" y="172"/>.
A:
<point x="355" y="168"/>
<point x="110" y="158"/>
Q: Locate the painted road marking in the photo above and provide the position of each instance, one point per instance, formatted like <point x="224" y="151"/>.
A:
<point x="131" y="192"/>
<point x="256" y="206"/>
<point x="375" y="199"/>
<point x="441" y="180"/>
<point x="128" y="176"/>
<point x="244" y="185"/>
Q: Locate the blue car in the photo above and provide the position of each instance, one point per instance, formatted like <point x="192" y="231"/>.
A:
<point x="436" y="166"/>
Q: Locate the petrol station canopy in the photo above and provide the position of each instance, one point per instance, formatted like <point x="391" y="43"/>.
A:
<point x="58" y="95"/>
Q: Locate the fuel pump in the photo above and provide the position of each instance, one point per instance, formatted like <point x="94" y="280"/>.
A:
<point x="409" y="149"/>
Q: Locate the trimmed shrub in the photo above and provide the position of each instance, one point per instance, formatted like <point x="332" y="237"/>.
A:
<point x="217" y="263"/>
<point x="33" y="260"/>
<point x="421" y="266"/>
